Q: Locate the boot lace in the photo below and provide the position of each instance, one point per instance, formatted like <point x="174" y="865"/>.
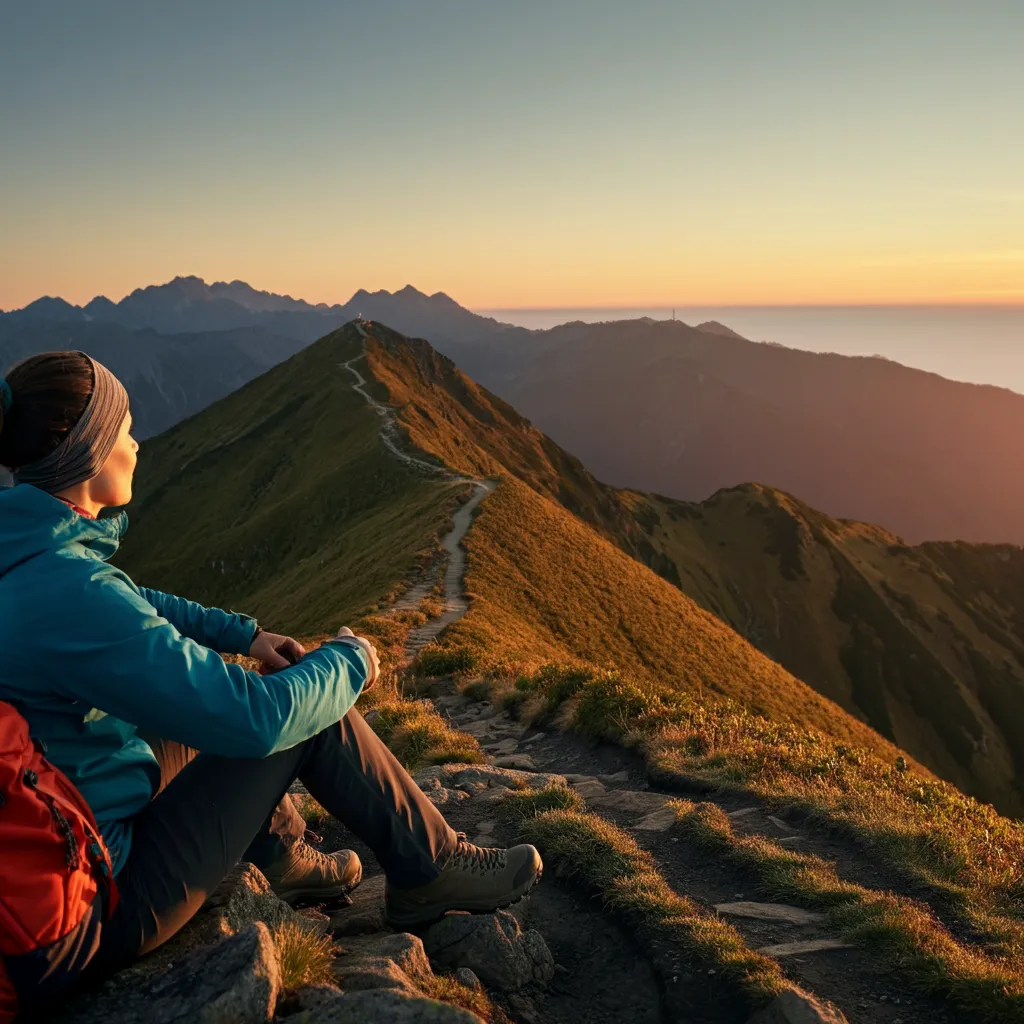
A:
<point x="477" y="859"/>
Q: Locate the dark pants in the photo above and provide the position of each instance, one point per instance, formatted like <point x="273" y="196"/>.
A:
<point x="209" y="809"/>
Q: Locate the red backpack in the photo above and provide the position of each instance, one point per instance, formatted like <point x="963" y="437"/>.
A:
<point x="56" y="880"/>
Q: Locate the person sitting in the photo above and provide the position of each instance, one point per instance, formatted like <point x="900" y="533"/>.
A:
<point x="186" y="760"/>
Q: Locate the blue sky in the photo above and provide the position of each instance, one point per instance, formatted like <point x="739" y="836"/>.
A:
<point x="517" y="154"/>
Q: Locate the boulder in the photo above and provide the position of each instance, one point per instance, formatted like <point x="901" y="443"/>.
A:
<point x="464" y="976"/>
<point x="237" y="980"/>
<point x="493" y="946"/>
<point x="794" y="1006"/>
<point x="387" y="1007"/>
<point x="390" y="961"/>
<point x="366" y="912"/>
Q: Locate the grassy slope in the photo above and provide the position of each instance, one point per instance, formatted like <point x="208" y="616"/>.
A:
<point x="923" y="643"/>
<point x="280" y="500"/>
<point x="547" y="586"/>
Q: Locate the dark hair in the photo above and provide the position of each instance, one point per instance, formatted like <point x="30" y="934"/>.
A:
<point x="49" y="391"/>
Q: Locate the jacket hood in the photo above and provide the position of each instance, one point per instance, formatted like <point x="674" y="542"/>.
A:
<point x="32" y="521"/>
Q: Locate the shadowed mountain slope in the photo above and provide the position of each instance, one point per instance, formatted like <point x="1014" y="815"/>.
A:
<point x="925" y="643"/>
<point x="660" y="406"/>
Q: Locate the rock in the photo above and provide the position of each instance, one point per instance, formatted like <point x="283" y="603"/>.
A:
<point x="533" y="739"/>
<point x="506" y="746"/>
<point x="460" y="774"/>
<point x="657" y="821"/>
<point x="311" y="996"/>
<point x="743" y="812"/>
<point x="490" y="797"/>
<point x="627" y="800"/>
<point x="523" y="1007"/>
<point x="521" y="761"/>
<point x="477" y="729"/>
<point x="464" y="976"/>
<point x="770" y="912"/>
<point x="794" y="1006"/>
<point x="243" y="897"/>
<point x="366" y="914"/>
<point x="383" y="1007"/>
<point x="806" y="946"/>
<point x="440" y="797"/>
<point x="237" y="980"/>
<point x="493" y="946"/>
<point x="486" y="826"/>
<point x="590" y="789"/>
<point x="622" y="776"/>
<point x="779" y="823"/>
<point x="573" y="778"/>
<point x="394" y="961"/>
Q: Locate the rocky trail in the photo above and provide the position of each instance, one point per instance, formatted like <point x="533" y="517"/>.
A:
<point x="454" y="601"/>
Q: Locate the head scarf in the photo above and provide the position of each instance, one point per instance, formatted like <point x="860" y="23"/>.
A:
<point x="85" y="448"/>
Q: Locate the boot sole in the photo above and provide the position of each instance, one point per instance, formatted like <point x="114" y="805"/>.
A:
<point x="404" y="921"/>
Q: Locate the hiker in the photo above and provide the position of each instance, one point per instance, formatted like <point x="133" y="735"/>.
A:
<point x="185" y="760"/>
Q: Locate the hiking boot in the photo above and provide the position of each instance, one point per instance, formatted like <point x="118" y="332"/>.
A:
<point x="476" y="879"/>
<point x="304" y="873"/>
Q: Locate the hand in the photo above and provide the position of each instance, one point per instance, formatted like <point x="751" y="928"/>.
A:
<point x="371" y="653"/>
<point x="275" y="651"/>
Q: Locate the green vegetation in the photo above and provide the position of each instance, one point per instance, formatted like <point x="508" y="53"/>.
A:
<point x="901" y="930"/>
<point x="306" y="958"/>
<point x="445" y="988"/>
<point x="607" y="861"/>
<point x="925" y="643"/>
<point x="968" y="857"/>
<point x="281" y="500"/>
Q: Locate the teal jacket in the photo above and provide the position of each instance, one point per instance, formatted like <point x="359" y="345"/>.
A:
<point x="87" y="657"/>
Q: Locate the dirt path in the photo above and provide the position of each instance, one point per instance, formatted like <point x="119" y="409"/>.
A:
<point x="866" y="987"/>
<point x="454" y="600"/>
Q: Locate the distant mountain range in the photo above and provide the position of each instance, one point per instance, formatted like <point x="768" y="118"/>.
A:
<point x="180" y="346"/>
<point x="189" y="304"/>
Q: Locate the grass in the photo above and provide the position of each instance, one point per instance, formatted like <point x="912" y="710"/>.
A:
<point x="447" y="989"/>
<point x="418" y="736"/>
<point x="902" y="931"/>
<point x="607" y="861"/>
<point x="968" y="857"/>
<point x="288" y="505"/>
<point x="306" y="958"/>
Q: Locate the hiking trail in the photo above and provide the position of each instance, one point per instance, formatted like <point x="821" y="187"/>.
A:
<point x="455" y="603"/>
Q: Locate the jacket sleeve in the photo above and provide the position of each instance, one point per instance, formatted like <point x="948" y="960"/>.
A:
<point x="230" y="632"/>
<point x="113" y="652"/>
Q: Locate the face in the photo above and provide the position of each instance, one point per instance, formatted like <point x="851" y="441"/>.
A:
<point x="112" y="486"/>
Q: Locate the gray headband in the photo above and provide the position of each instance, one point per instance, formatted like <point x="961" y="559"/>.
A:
<point x="82" y="453"/>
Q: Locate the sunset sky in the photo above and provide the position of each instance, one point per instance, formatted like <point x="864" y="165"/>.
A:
<point x="517" y="154"/>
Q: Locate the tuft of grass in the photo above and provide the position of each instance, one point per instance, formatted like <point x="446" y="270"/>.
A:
<point x="438" y="660"/>
<point x="418" y="736"/>
<point x="306" y="958"/>
<point x="310" y="809"/>
<point x="902" y="930"/>
<point x="609" y="862"/>
<point x="446" y="989"/>
<point x="529" y="803"/>
<point x="479" y="690"/>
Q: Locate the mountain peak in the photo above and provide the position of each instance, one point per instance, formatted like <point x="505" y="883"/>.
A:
<point x="714" y="327"/>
